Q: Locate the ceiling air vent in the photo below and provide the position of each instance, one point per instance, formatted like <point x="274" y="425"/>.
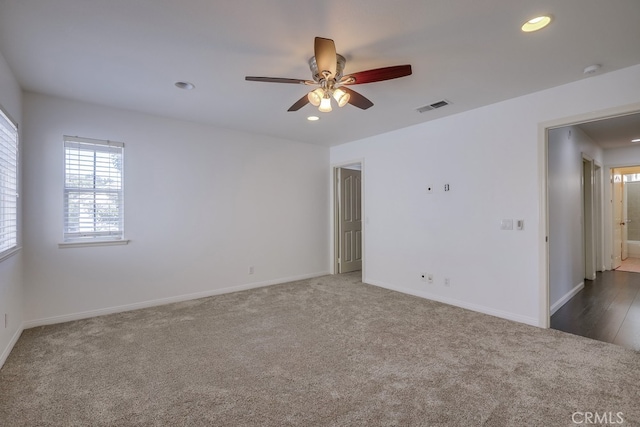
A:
<point x="433" y="106"/>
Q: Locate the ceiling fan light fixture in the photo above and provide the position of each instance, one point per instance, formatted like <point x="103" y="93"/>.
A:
<point x="315" y="97"/>
<point x="325" y="105"/>
<point x="327" y="69"/>
<point x="536" y="24"/>
<point x="341" y="97"/>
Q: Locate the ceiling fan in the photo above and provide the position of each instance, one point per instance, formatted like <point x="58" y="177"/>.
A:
<point x="326" y="68"/>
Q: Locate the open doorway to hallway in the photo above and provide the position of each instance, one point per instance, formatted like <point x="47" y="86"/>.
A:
<point x="591" y="179"/>
<point x="574" y="212"/>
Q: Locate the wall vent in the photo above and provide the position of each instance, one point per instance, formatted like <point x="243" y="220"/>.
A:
<point x="433" y="106"/>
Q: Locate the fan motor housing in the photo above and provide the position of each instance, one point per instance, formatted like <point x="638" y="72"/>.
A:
<point x="341" y="61"/>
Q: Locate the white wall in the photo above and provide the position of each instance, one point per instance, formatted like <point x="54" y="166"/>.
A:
<point x="202" y="204"/>
<point x="566" y="246"/>
<point x="493" y="159"/>
<point x="11" y="281"/>
<point x="623" y="156"/>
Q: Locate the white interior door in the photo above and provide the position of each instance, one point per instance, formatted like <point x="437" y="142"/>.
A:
<point x="350" y="257"/>
<point x="617" y="220"/>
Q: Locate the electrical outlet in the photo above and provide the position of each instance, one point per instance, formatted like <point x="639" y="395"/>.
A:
<point x="6" y="320"/>
<point x="447" y="282"/>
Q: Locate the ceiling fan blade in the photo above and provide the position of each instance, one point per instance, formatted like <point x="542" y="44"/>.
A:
<point x="377" y="75"/>
<point x="325" y="52"/>
<point x="356" y="99"/>
<point x="299" y="103"/>
<point x="275" y="80"/>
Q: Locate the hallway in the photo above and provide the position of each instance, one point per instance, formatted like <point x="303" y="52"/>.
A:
<point x="607" y="309"/>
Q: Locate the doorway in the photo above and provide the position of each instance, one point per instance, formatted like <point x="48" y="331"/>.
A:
<point x="572" y="205"/>
<point x="348" y="224"/>
<point x="599" y="304"/>
<point x="625" y="188"/>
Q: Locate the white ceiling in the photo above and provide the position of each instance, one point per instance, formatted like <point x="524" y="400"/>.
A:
<point x="614" y="132"/>
<point x="128" y="54"/>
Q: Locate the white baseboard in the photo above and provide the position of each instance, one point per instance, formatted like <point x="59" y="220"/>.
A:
<point x="562" y="301"/>
<point x="462" y="304"/>
<point x="7" y="350"/>
<point x="162" y="301"/>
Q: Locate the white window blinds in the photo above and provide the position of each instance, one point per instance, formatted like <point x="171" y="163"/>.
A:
<point x="93" y="190"/>
<point x="8" y="184"/>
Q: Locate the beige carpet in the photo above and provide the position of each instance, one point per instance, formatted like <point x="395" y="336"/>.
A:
<point x="322" y="352"/>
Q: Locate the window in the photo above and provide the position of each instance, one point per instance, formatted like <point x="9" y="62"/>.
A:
<point x="93" y="191"/>
<point x="8" y="185"/>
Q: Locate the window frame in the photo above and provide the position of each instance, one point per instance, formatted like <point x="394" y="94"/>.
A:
<point x="92" y="238"/>
<point x="12" y="148"/>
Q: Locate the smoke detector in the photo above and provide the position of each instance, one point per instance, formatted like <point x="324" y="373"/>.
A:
<point x="592" y="69"/>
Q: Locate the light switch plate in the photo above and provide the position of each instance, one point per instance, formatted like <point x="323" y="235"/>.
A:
<point x="506" y="224"/>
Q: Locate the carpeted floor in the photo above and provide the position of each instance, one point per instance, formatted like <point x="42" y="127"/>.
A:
<point x="329" y="351"/>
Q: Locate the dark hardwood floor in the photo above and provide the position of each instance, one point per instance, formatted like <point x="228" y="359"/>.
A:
<point x="607" y="309"/>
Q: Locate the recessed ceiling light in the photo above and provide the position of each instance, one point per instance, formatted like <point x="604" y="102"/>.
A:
<point x="313" y="118"/>
<point x="185" y="85"/>
<point x="635" y="140"/>
<point x="536" y="24"/>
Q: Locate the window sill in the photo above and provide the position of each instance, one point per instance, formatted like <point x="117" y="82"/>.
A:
<point x="10" y="253"/>
<point x="69" y="245"/>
